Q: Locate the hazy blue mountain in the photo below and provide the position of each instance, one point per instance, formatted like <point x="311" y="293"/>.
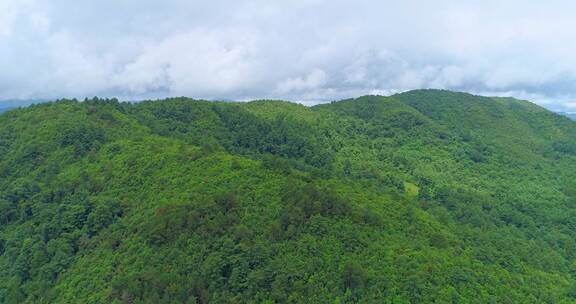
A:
<point x="570" y="115"/>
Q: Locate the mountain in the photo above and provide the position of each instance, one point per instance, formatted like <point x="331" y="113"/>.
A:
<point x="569" y="115"/>
<point x="9" y="104"/>
<point x="422" y="197"/>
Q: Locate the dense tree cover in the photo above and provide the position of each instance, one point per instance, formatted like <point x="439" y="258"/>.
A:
<point x="426" y="196"/>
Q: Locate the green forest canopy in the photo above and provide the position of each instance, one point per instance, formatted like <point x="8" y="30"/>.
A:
<point x="425" y="196"/>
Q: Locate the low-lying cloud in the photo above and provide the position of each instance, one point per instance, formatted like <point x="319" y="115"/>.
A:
<point x="309" y="51"/>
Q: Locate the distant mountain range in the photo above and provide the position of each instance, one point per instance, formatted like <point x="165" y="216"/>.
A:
<point x="4" y="109"/>
<point x="570" y="115"/>
<point x="8" y="104"/>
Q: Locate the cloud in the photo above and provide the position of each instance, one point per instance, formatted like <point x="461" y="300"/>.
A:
<point x="313" y="80"/>
<point x="198" y="63"/>
<point x="309" y="51"/>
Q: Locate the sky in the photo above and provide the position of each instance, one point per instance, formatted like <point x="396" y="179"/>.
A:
<point x="309" y="51"/>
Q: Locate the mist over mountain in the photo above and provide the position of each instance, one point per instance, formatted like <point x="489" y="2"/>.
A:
<point x="306" y="50"/>
<point x="276" y="152"/>
<point x="570" y="115"/>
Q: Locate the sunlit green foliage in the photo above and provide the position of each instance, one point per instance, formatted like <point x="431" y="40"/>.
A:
<point x="423" y="197"/>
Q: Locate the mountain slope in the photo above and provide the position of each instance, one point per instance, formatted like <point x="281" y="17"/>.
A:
<point x="425" y="196"/>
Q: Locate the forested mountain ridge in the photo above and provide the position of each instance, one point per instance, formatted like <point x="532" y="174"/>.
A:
<point x="425" y="196"/>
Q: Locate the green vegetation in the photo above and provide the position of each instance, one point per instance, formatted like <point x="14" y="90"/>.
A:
<point x="423" y="197"/>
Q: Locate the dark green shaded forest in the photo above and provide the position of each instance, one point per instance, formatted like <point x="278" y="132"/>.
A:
<point x="422" y="197"/>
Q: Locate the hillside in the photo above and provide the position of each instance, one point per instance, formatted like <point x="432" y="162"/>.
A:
<point x="422" y="197"/>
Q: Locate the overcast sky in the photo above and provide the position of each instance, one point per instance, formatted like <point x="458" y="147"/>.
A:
<point x="309" y="51"/>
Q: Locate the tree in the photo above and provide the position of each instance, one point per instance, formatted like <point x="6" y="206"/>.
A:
<point x="354" y="276"/>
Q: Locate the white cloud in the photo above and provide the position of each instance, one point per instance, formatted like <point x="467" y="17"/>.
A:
<point x="313" y="80"/>
<point x="309" y="51"/>
<point x="199" y="63"/>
